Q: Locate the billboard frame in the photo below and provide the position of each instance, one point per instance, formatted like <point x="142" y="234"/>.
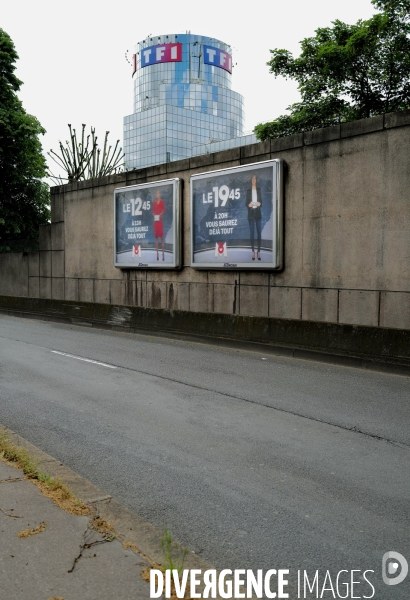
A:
<point x="177" y="236"/>
<point x="277" y="229"/>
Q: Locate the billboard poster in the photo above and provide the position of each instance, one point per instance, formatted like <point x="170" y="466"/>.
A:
<point x="237" y="217"/>
<point x="146" y="225"/>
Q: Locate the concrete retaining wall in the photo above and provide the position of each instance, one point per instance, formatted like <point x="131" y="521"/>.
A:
<point x="347" y="236"/>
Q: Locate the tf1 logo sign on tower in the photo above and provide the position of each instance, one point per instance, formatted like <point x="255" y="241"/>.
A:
<point x="163" y="53"/>
<point x="217" y="58"/>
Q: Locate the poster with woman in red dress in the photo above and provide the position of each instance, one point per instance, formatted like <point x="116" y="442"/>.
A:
<point x="158" y="209"/>
<point x="147" y="225"/>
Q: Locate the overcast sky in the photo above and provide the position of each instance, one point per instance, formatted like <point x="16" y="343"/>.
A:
<point x="72" y="53"/>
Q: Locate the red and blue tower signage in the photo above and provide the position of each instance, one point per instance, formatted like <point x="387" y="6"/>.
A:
<point x="163" y="53"/>
<point x="217" y="58"/>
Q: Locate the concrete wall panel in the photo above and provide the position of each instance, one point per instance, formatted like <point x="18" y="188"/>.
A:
<point x="117" y="292"/>
<point x="254" y="300"/>
<point x="57" y="236"/>
<point x="86" y="290"/>
<point x="130" y="292"/>
<point x="226" y="298"/>
<point x="34" y="287"/>
<point x="57" y="288"/>
<point x="14" y="274"/>
<point x="194" y="276"/>
<point x="178" y="296"/>
<point x="57" y="208"/>
<point x="45" y="287"/>
<point x="71" y="289"/>
<point x="359" y="307"/>
<point x="160" y="276"/>
<point x="201" y="297"/>
<point x="224" y="277"/>
<point x="102" y="291"/>
<point x="141" y="293"/>
<point x="89" y="234"/>
<point x="45" y="264"/>
<point x="319" y="305"/>
<point x="156" y="294"/>
<point x="395" y="310"/>
<point x="285" y="303"/>
<point x="292" y="274"/>
<point x="356" y="212"/>
<point x="57" y="263"/>
<point x="34" y="264"/>
<point x="257" y="278"/>
<point x="45" y="237"/>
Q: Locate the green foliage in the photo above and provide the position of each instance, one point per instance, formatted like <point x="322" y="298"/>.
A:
<point x="82" y="160"/>
<point x="24" y="198"/>
<point x="174" y="554"/>
<point x="347" y="72"/>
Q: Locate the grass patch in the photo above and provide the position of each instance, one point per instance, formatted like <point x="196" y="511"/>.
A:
<point x="51" y="487"/>
<point x="19" y="457"/>
<point x="174" y="558"/>
<point x="174" y="553"/>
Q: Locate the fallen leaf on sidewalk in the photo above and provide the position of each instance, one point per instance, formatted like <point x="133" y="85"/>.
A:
<point x="27" y="532"/>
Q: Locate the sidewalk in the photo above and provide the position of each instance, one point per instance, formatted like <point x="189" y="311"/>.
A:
<point x="48" y="554"/>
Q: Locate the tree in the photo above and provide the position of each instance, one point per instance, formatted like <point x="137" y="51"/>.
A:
<point x="347" y="72"/>
<point x="24" y="198"/>
<point x="82" y="161"/>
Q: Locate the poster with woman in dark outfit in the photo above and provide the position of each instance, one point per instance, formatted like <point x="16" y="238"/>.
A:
<point x="237" y="217"/>
<point x="254" y="205"/>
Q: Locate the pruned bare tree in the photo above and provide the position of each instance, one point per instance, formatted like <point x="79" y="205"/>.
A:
<point x="84" y="159"/>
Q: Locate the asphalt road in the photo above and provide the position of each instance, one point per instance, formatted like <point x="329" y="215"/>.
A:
<point x="252" y="460"/>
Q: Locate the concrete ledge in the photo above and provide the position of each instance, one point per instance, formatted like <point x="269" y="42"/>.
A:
<point x="157" y="170"/>
<point x="257" y="149"/>
<point x="202" y="160"/>
<point x="254" y="159"/>
<point x="366" y="347"/>
<point x="178" y="165"/>
<point x="286" y="143"/>
<point x="227" y="155"/>
<point x="397" y="119"/>
<point x="318" y="136"/>
<point x="132" y="177"/>
<point x="362" y="126"/>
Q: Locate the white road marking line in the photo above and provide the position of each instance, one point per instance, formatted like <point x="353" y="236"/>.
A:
<point x="95" y="362"/>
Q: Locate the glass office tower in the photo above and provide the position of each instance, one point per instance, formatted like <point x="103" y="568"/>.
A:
<point x="182" y="98"/>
